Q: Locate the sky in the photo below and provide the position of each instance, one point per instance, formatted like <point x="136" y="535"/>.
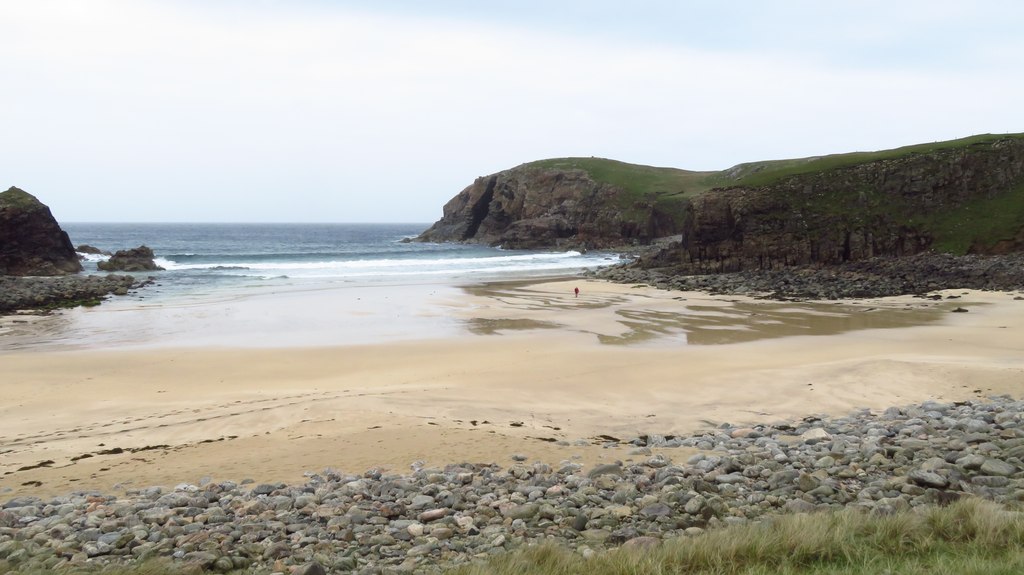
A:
<point x="381" y="111"/>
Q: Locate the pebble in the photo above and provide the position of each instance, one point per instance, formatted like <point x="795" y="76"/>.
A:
<point x="434" y="519"/>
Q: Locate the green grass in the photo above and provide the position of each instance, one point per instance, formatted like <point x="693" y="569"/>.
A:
<point x="757" y="174"/>
<point x="968" y="537"/>
<point x="635" y="179"/>
<point x="982" y="222"/>
<point x="18" y="198"/>
<point x="666" y="189"/>
<point x="639" y="180"/>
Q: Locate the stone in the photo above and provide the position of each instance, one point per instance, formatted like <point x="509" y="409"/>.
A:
<point x="312" y="568"/>
<point x="997" y="467"/>
<point x="814" y="435"/>
<point x="421" y="501"/>
<point x="807" y="482"/>
<point x="620" y="511"/>
<point x="433" y="514"/>
<point x="579" y="523"/>
<point x="928" y="479"/>
<point x="420" y="550"/>
<point x="695" y="505"/>
<point x="825" y="462"/>
<point x="527" y="511"/>
<point x="605" y="469"/>
<point x="595" y="535"/>
<point x="277" y="550"/>
<point x="656" y="510"/>
<point x="264" y="489"/>
<point x="799" y="506"/>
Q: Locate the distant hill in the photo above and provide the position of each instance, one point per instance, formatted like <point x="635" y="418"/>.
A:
<point x="960" y="196"/>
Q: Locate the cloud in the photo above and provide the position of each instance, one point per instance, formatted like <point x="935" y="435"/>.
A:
<point x="210" y="110"/>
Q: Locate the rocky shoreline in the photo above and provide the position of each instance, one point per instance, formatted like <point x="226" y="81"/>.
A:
<point x="47" y="293"/>
<point x="434" y="519"/>
<point x="876" y="277"/>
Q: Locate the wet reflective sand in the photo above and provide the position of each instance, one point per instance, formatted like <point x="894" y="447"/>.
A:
<point x="669" y="318"/>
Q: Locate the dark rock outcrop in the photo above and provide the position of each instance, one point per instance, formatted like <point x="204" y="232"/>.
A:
<point x="45" y="293"/>
<point x="532" y="207"/>
<point x="875" y="277"/>
<point x="944" y="199"/>
<point x="87" y="249"/>
<point x="134" y="260"/>
<point x="31" y="241"/>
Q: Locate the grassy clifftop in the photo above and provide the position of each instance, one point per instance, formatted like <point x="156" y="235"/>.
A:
<point x="635" y="179"/>
<point x="955" y="211"/>
<point x="642" y="180"/>
<point x="960" y="196"/>
<point x="755" y="174"/>
<point x="17" y="198"/>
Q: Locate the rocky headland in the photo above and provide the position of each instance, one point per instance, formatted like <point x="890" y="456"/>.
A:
<point x="821" y="227"/>
<point x="432" y="519"/>
<point x="562" y="205"/>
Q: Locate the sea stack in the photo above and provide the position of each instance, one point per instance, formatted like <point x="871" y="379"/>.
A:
<point x="31" y="241"/>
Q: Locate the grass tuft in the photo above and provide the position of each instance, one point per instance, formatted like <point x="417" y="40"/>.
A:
<point x="971" y="536"/>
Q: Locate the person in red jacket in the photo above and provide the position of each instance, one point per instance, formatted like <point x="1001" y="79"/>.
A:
<point x="577" y="291"/>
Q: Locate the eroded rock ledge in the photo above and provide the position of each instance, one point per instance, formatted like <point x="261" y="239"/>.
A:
<point x="875" y="277"/>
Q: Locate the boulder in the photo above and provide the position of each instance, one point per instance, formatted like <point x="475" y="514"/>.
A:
<point x="133" y="260"/>
<point x="31" y="241"/>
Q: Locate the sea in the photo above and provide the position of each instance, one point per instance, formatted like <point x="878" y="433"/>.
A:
<point x="206" y="257"/>
<point x="280" y="284"/>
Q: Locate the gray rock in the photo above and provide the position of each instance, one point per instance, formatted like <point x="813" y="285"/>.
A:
<point x="606" y="469"/>
<point x="433" y="514"/>
<point x="527" y="511"/>
<point x="656" y="510"/>
<point x="928" y="479"/>
<point x="312" y="568"/>
<point x="997" y="467"/>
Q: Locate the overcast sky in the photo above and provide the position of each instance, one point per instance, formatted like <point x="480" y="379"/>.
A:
<point x="378" y="111"/>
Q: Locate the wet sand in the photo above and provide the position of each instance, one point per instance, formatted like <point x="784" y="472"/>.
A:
<point x="523" y="367"/>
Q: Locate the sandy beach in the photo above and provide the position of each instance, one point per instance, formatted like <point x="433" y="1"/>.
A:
<point x="531" y="370"/>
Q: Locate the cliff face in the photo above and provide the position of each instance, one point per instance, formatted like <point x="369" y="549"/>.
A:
<point x="960" y="199"/>
<point x="532" y="207"/>
<point x="31" y="241"/>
